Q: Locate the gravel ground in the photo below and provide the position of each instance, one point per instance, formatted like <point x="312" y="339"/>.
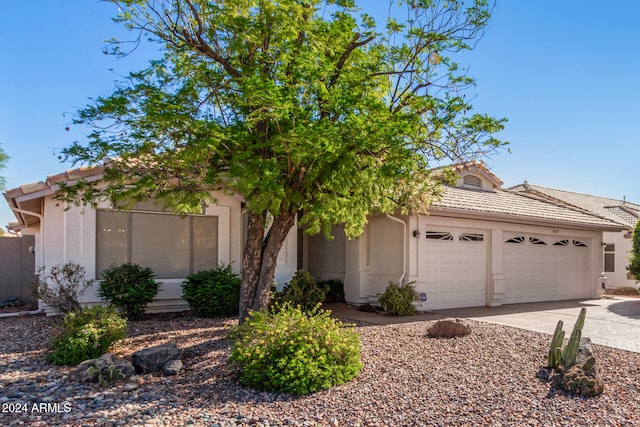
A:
<point x="486" y="378"/>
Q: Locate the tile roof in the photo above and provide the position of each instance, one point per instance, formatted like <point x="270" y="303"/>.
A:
<point x="517" y="207"/>
<point x="613" y="209"/>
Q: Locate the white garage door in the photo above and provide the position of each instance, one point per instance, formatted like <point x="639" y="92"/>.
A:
<point x="543" y="268"/>
<point x="455" y="268"/>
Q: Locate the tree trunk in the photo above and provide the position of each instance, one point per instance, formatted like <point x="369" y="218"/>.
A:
<point x="260" y="258"/>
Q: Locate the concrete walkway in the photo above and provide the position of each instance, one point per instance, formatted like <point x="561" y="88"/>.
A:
<point x="610" y="322"/>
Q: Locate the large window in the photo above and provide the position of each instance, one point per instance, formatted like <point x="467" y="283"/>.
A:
<point x="173" y="246"/>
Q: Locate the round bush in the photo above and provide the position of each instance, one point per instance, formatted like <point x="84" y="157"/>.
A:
<point x="213" y="293"/>
<point x="301" y="290"/>
<point x="291" y="351"/>
<point x="130" y="287"/>
<point x="625" y="290"/>
<point x="86" y="334"/>
<point x="398" y="300"/>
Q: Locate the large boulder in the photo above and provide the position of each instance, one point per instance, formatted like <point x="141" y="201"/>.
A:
<point x="153" y="358"/>
<point x="81" y="373"/>
<point x="449" y="328"/>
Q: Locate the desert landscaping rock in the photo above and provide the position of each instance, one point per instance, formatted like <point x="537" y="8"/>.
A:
<point x="172" y="367"/>
<point x="153" y="359"/>
<point x="486" y="378"/>
<point x="449" y="328"/>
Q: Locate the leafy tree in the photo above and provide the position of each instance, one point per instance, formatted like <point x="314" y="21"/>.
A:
<point x="3" y="164"/>
<point x="634" y="257"/>
<point x="297" y="105"/>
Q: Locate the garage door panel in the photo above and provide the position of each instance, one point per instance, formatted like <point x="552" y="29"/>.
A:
<point x="539" y="272"/>
<point x="455" y="270"/>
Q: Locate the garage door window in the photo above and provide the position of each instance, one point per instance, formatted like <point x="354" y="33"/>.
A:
<point x="471" y="237"/>
<point x="523" y="239"/>
<point x="439" y="235"/>
<point x="567" y="242"/>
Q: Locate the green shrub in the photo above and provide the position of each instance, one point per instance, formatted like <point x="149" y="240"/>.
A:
<point x="61" y="286"/>
<point x="292" y="351"/>
<point x="335" y="290"/>
<point x="625" y="290"/>
<point x="398" y="300"/>
<point x="130" y="287"/>
<point x="86" y="334"/>
<point x="634" y="254"/>
<point x="302" y="291"/>
<point x="213" y="293"/>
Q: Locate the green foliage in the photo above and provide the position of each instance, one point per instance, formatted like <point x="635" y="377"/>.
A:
<point x="625" y="290"/>
<point x="104" y="376"/>
<point x="61" y="286"/>
<point x="86" y="334"/>
<point x="3" y="164"/>
<point x="291" y="351"/>
<point x="398" y="300"/>
<point x="335" y="289"/>
<point x="634" y="257"/>
<point x="302" y="290"/>
<point x="213" y="293"/>
<point x="563" y="359"/>
<point x="129" y="287"/>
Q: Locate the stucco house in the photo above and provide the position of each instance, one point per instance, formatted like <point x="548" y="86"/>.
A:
<point x="479" y="245"/>
<point x="617" y="244"/>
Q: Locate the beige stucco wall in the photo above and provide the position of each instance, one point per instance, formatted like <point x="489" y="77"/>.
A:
<point x="618" y="277"/>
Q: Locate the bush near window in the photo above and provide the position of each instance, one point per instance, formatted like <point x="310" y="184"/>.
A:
<point x="130" y="287"/>
<point x="86" y="334"/>
<point x="302" y="290"/>
<point x="213" y="293"/>
<point x="61" y="286"/>
<point x="335" y="292"/>
<point x="398" y="300"/>
<point x="291" y="351"/>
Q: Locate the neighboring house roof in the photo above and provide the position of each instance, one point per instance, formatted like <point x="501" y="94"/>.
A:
<point x="616" y="210"/>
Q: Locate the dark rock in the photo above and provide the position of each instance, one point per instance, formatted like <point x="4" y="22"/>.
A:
<point x="81" y="375"/>
<point x="585" y="351"/>
<point x="153" y="358"/>
<point x="449" y="328"/>
<point x="172" y="367"/>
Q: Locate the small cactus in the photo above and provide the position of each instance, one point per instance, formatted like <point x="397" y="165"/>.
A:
<point x="563" y="359"/>
<point x="555" y="352"/>
<point x="570" y="352"/>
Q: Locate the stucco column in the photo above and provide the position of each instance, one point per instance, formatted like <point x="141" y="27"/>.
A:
<point x="496" y="285"/>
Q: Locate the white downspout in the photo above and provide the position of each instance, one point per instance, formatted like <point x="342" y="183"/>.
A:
<point x="404" y="247"/>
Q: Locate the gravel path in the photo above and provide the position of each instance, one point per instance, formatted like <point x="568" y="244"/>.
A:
<point x="486" y="378"/>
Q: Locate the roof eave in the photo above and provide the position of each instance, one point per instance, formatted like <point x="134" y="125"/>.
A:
<point x="520" y="219"/>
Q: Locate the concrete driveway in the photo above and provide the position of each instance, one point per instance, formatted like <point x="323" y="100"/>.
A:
<point x="609" y="322"/>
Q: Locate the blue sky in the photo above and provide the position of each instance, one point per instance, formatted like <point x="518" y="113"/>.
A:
<point x="563" y="73"/>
